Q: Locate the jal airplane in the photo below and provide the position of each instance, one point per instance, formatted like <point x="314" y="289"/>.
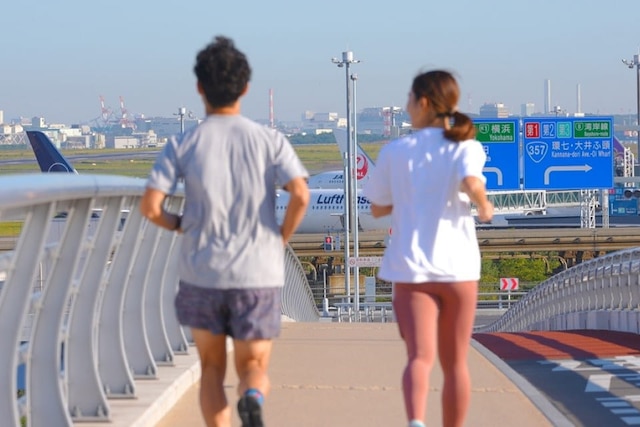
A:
<point x="325" y="212"/>
<point x="335" y="179"/>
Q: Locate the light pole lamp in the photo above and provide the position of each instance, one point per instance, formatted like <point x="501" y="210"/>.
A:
<point x="182" y="111"/>
<point x="353" y="164"/>
<point x="345" y="62"/>
<point x="635" y="62"/>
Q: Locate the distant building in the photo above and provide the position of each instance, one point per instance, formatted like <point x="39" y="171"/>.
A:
<point x="312" y="121"/>
<point x="497" y="110"/>
<point x="77" y="141"/>
<point x="38" y="123"/>
<point x="117" y="141"/>
<point x="164" y="126"/>
<point x="385" y="121"/>
<point x="69" y="132"/>
<point x="547" y="96"/>
<point x="147" y="139"/>
<point x="1" y="117"/>
<point x="527" y="109"/>
<point x="7" y="129"/>
<point x="71" y="138"/>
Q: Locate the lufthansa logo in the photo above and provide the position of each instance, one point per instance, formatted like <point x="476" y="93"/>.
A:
<point x="58" y="167"/>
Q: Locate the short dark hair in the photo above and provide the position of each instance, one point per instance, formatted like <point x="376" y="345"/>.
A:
<point x="222" y="71"/>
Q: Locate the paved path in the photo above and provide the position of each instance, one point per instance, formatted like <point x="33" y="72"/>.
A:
<point x="591" y="376"/>
<point x="348" y="374"/>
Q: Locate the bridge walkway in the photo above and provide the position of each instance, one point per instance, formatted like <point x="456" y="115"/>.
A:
<point x="348" y="374"/>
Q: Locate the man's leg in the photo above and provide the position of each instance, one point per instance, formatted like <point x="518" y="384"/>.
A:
<point x="252" y="362"/>
<point x="213" y="360"/>
<point x="255" y="322"/>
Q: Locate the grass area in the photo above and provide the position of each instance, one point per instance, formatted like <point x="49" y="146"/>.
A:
<point x="316" y="158"/>
<point x="138" y="168"/>
<point x="323" y="157"/>
<point x="10" y="228"/>
<point x="25" y="152"/>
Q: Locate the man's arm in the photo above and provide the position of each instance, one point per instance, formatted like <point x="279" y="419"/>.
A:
<point x="297" y="207"/>
<point x="152" y="207"/>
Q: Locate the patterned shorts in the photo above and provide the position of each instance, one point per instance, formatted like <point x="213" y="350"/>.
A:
<point x="244" y="314"/>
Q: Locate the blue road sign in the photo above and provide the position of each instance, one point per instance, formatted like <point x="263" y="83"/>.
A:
<point x="500" y="140"/>
<point x="623" y="201"/>
<point x="568" y="153"/>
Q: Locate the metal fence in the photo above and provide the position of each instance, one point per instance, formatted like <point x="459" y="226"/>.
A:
<point x="602" y="293"/>
<point x="86" y="296"/>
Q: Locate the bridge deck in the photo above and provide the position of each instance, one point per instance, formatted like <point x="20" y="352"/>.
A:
<point x="348" y="374"/>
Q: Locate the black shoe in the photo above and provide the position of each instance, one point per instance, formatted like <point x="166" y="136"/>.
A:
<point x="250" y="412"/>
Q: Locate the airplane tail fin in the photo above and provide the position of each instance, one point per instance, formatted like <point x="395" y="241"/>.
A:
<point x="48" y="157"/>
<point x="365" y="164"/>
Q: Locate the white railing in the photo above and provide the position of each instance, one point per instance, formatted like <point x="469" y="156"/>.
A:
<point x="603" y="293"/>
<point x="86" y="300"/>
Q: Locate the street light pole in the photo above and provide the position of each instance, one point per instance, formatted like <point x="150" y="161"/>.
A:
<point x="182" y="111"/>
<point x="354" y="199"/>
<point x="635" y="62"/>
<point x="347" y="60"/>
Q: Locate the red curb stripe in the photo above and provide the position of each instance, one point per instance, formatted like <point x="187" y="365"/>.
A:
<point x="545" y="345"/>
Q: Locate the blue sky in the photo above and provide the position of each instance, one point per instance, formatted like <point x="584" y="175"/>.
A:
<point x="59" y="57"/>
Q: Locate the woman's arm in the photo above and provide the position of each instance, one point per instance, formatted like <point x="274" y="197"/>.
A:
<point x="476" y="190"/>
<point x="377" y="211"/>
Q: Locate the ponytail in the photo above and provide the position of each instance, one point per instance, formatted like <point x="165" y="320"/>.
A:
<point x="459" y="127"/>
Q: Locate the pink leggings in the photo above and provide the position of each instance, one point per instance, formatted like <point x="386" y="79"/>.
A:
<point x="436" y="316"/>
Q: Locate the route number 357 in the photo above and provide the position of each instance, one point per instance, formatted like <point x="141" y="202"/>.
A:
<point x="537" y="151"/>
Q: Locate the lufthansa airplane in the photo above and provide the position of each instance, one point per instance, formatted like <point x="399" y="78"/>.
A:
<point x="48" y="157"/>
<point x="325" y="212"/>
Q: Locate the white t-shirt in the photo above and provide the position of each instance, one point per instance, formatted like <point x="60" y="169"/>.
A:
<point x="433" y="232"/>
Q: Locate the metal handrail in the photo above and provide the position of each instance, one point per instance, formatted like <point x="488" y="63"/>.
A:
<point x="602" y="293"/>
<point x="98" y="284"/>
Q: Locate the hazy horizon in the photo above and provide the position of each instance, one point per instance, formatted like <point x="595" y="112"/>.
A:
<point x="59" y="58"/>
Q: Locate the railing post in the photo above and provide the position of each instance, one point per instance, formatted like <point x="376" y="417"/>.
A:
<point x="14" y="300"/>
<point x="136" y="340"/>
<point x="86" y="397"/>
<point x="105" y="288"/>
<point x="115" y="374"/>
<point x="48" y="401"/>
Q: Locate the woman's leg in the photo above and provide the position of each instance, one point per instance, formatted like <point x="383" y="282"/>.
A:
<point x="455" y="326"/>
<point x="416" y="312"/>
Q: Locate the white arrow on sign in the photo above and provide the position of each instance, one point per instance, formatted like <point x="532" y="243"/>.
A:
<point x="495" y="170"/>
<point x="547" y="172"/>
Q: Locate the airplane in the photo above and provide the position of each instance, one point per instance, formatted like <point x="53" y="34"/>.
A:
<point x="335" y="178"/>
<point x="48" y="157"/>
<point x="325" y="212"/>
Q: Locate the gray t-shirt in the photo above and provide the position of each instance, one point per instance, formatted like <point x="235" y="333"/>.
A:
<point x="231" y="167"/>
